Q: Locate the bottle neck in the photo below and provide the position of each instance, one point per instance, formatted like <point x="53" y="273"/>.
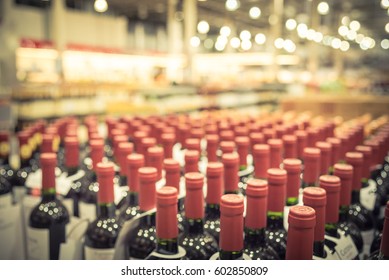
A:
<point x="318" y="249"/>
<point x="72" y="170"/>
<point x="275" y="220"/>
<point x="48" y="194"/>
<point x="331" y="229"/>
<point x="212" y="210"/>
<point x="231" y="255"/>
<point x="290" y="201"/>
<point x="123" y="180"/>
<point x="167" y="246"/>
<point x="343" y="212"/>
<point x="194" y="226"/>
<point x="255" y="237"/>
<point x="106" y="210"/>
<point x="355" y="194"/>
<point x="132" y="198"/>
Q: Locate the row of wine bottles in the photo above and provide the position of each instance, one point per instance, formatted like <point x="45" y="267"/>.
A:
<point x="199" y="187"/>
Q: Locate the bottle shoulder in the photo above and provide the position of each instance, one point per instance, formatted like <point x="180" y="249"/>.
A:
<point x="48" y="213"/>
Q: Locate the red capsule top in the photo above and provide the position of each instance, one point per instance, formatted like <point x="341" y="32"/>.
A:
<point x="301" y="136"/>
<point x="275" y="152"/>
<point x="105" y="175"/>
<point x="227" y="147"/>
<point x="147" y="181"/>
<point x="48" y="163"/>
<point x="256" y="138"/>
<point x="290" y="146"/>
<point x="125" y="149"/>
<point x="147" y="143"/>
<point x="256" y="211"/>
<point x="173" y="173"/>
<point x="227" y="135"/>
<point x="367" y="159"/>
<point x="166" y="215"/>
<point x="134" y="162"/>
<point x="154" y="158"/>
<point x="48" y="143"/>
<point x="345" y="174"/>
<point x="192" y="158"/>
<point x="193" y="144"/>
<point x="96" y="152"/>
<point x="138" y="136"/>
<point x="325" y="156"/>
<point x="293" y="168"/>
<point x="311" y="165"/>
<point x="231" y="222"/>
<point x="231" y="168"/>
<point x="317" y="199"/>
<point x="194" y="200"/>
<point x="242" y="143"/>
<point x="261" y="155"/>
<point x="336" y="148"/>
<point x="212" y="145"/>
<point x="332" y="186"/>
<point x="215" y="182"/>
<point x="277" y="189"/>
<point x="72" y="152"/>
<point x="302" y="220"/>
<point x="356" y="160"/>
<point x="168" y="140"/>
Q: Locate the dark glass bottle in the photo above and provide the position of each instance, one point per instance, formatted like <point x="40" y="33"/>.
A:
<point x="231" y="177"/>
<point x="124" y="149"/>
<point x="130" y="208"/>
<point x="101" y="235"/>
<point x="345" y="174"/>
<point x="215" y="177"/>
<point x="357" y="213"/>
<point x="199" y="244"/>
<point x="383" y="252"/>
<point x="302" y="221"/>
<point x="255" y="244"/>
<point x="311" y="158"/>
<point x="275" y="232"/>
<point x="231" y="242"/>
<point x="88" y="191"/>
<point x="347" y="249"/>
<point x="167" y="247"/>
<point x="48" y="220"/>
<point x="143" y="241"/>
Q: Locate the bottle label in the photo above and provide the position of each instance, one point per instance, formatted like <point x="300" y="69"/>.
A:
<point x="345" y="247"/>
<point x="98" y="254"/>
<point x="368" y="195"/>
<point x="5" y="201"/>
<point x="87" y="211"/>
<point x="286" y="214"/>
<point x="11" y="232"/>
<point x="38" y="244"/>
<point x="367" y="236"/>
<point x="68" y="203"/>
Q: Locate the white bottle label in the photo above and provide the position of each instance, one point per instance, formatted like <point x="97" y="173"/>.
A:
<point x="11" y="232"/>
<point x="368" y="195"/>
<point x="5" y="201"/>
<point x="286" y="214"/>
<point x="98" y="254"/>
<point x="345" y="247"/>
<point x="38" y="244"/>
<point x="87" y="211"/>
<point x="68" y="203"/>
<point x="367" y="236"/>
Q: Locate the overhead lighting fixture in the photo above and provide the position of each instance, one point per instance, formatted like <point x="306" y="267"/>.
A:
<point x="290" y="24"/>
<point x="255" y="12"/>
<point x="195" y="41"/>
<point x="246" y="45"/>
<point x="100" y="6"/>
<point x="387" y="27"/>
<point x="344" y="46"/>
<point x="245" y="35"/>
<point x="289" y="46"/>
<point x="260" y="38"/>
<point x="385" y="4"/>
<point x="279" y="43"/>
<point x="203" y="27"/>
<point x="225" y="31"/>
<point x="385" y="44"/>
<point x="232" y="5"/>
<point x="345" y="20"/>
<point x="336" y="43"/>
<point x="323" y="8"/>
<point x="235" y="42"/>
<point x="343" y="30"/>
<point x="355" y="25"/>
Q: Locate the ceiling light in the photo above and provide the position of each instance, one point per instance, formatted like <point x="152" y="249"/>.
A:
<point x="255" y="12"/>
<point x="318" y="37"/>
<point x="359" y="38"/>
<point x="343" y="30"/>
<point x="387" y="27"/>
<point x="195" y="41"/>
<point x="351" y="35"/>
<point x="355" y="25"/>
<point x="203" y="27"/>
<point x="235" y="42"/>
<point x="323" y="8"/>
<point x="311" y="34"/>
<point x="385" y="44"/>
<point x="289" y="46"/>
<point x="302" y="30"/>
<point x="279" y="43"/>
<point x="260" y="38"/>
<point x="222" y="40"/>
<point x="232" y="5"/>
<point x="290" y="24"/>
<point x="225" y="31"/>
<point x="344" y="46"/>
<point x="245" y="35"/>
<point x="385" y="4"/>
<point x="336" y="43"/>
<point x="219" y="46"/>
<point x="246" y="45"/>
<point x="345" y="20"/>
<point x="101" y="6"/>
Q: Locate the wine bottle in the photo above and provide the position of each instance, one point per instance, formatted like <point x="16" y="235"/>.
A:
<point x="302" y="220"/>
<point x="167" y="247"/>
<point x="130" y="208"/>
<point x="338" y="241"/>
<point x="215" y="175"/>
<point x="275" y="152"/>
<point x="143" y="241"/>
<point x="147" y="143"/>
<point x="301" y="136"/>
<point x="261" y="157"/>
<point x="168" y="140"/>
<point x="6" y="171"/>
<point x="290" y="146"/>
<point x="383" y="252"/>
<point x="88" y="192"/>
<point x="358" y="214"/>
<point x="325" y="156"/>
<point x="212" y="146"/>
<point x="124" y="149"/>
<point x="335" y="151"/>
<point x="227" y="147"/>
<point x="311" y="158"/>
<point x="154" y="158"/>
<point x="255" y="244"/>
<point x="192" y="158"/>
<point x="231" y="242"/>
<point x="102" y="233"/>
<point x="293" y="183"/>
<point x="47" y="221"/>
<point x="275" y="231"/>
<point x="198" y="243"/>
<point x="231" y="168"/>
<point x="242" y="143"/>
<point x="345" y="174"/>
